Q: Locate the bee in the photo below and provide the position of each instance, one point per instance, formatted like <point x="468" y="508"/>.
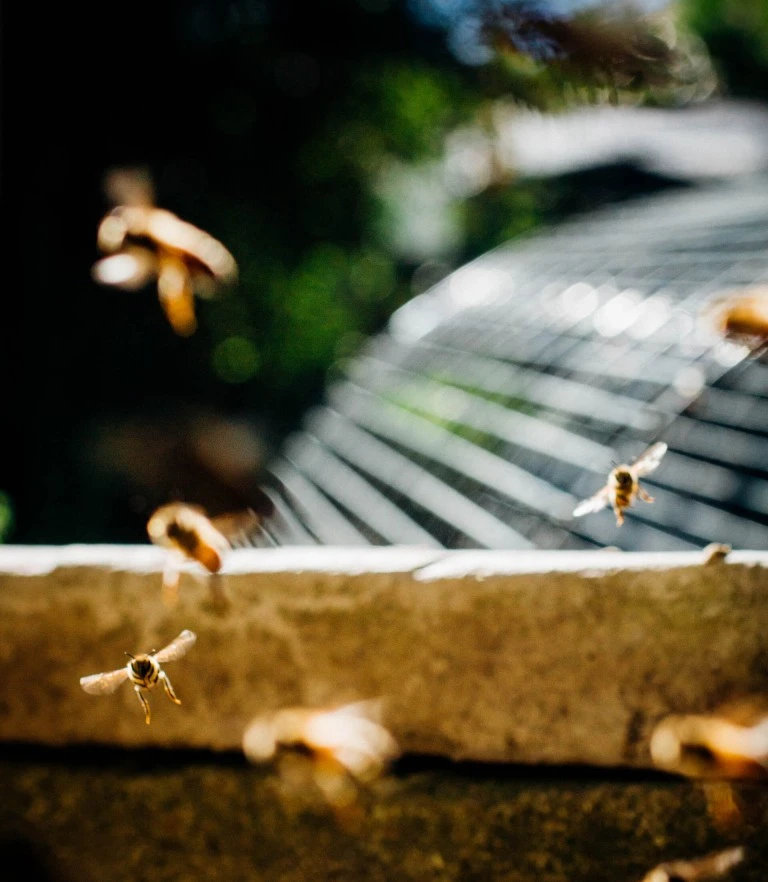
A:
<point x="623" y="485"/>
<point x="727" y="744"/>
<point x="712" y="745"/>
<point x="346" y="745"/>
<point x="188" y="532"/>
<point x="144" y="242"/>
<point x="143" y="671"/>
<point x="708" y="867"/>
<point x="741" y="317"/>
<point x="715" y="553"/>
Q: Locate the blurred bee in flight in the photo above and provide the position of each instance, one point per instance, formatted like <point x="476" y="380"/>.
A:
<point x="741" y="317"/>
<point x="715" y="553"/>
<point x="190" y="534"/>
<point x="144" y="242"/>
<point x="717" y="749"/>
<point x="731" y="743"/>
<point x="624" y="485"/>
<point x="144" y="671"/>
<point x="708" y="867"/>
<point x="593" y="47"/>
<point x="346" y="747"/>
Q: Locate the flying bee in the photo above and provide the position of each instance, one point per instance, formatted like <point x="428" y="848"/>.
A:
<point x="347" y="746"/>
<point x="624" y="485"/>
<point x="708" y="867"/>
<point x="188" y="532"/>
<point x="715" y="553"/>
<point x="716" y="748"/>
<point x="712" y="745"/>
<point x="741" y="317"/>
<point x="144" y="242"/>
<point x="144" y="671"/>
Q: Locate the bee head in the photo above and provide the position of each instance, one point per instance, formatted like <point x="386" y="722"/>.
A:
<point x="141" y="665"/>
<point x="622" y="477"/>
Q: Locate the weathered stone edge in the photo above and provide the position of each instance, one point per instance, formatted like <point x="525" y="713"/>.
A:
<point x="498" y="656"/>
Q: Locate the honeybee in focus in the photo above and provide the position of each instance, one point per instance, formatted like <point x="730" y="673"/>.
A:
<point x="741" y="317"/>
<point x="144" y="671"/>
<point x="188" y="532"/>
<point x="144" y="242"/>
<point x="708" y="867"/>
<point x="346" y="746"/>
<point x="624" y="485"/>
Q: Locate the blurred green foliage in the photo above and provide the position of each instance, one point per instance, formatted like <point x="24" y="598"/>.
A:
<point x="311" y="140"/>
<point x="323" y="271"/>
<point x="316" y="280"/>
<point x="736" y="33"/>
<point x="6" y="516"/>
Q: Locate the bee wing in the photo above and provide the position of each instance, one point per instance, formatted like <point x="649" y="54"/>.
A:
<point x="130" y="269"/>
<point x="707" y="867"/>
<point x="206" y="253"/>
<point x="104" y="684"/>
<point x="649" y="461"/>
<point x="368" y="764"/>
<point x="355" y="740"/>
<point x="177" y="647"/>
<point x="241" y="529"/>
<point x="369" y="709"/>
<point x="594" y="503"/>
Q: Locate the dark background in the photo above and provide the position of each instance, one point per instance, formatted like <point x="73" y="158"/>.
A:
<point x="260" y="122"/>
<point x="190" y="91"/>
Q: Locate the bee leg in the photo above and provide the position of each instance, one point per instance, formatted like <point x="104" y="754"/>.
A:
<point x="219" y="597"/>
<point x="168" y="688"/>
<point x="174" y="286"/>
<point x="144" y="703"/>
<point x="722" y="804"/>
<point x="619" y="515"/>
<point x="643" y="495"/>
<point x="171" y="576"/>
<point x="337" y="786"/>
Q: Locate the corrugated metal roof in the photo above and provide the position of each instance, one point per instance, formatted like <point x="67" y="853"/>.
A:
<point x="500" y="397"/>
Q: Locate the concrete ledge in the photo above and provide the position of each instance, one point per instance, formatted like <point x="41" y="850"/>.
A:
<point x="131" y="816"/>
<point x="534" y="657"/>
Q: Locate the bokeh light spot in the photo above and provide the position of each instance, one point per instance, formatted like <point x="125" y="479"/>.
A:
<point x="6" y="516"/>
<point x="235" y="359"/>
<point x="372" y="276"/>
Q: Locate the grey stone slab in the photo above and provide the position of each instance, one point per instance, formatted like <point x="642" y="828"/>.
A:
<point x="521" y="657"/>
<point x="167" y="816"/>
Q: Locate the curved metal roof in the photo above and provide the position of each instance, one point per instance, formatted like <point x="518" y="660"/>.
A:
<point x="500" y="397"/>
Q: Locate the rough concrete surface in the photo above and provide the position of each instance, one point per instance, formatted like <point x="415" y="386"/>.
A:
<point x="545" y="657"/>
<point x="134" y="816"/>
